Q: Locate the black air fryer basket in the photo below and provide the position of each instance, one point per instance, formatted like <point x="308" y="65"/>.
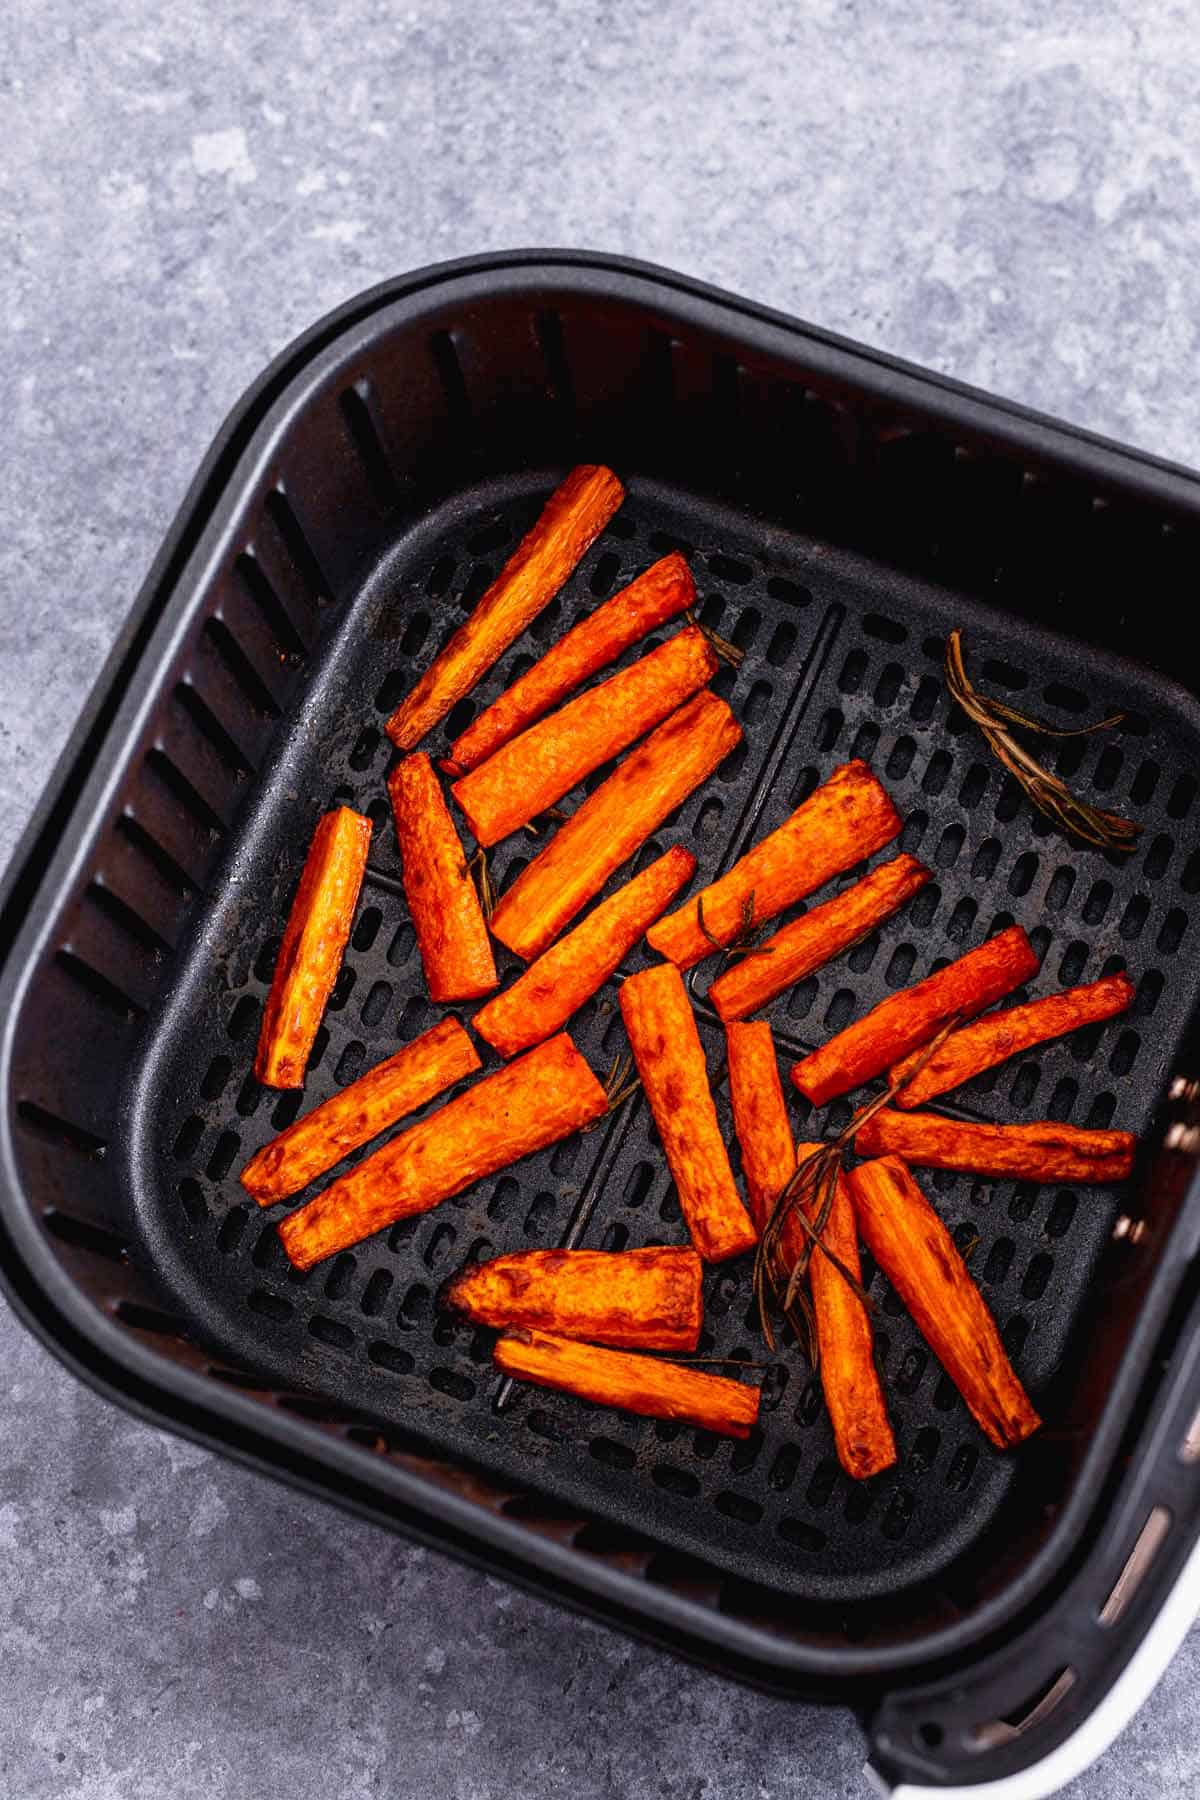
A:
<point x="841" y="512"/>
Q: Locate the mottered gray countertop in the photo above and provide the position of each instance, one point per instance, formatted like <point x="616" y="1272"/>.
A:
<point x="1007" y="193"/>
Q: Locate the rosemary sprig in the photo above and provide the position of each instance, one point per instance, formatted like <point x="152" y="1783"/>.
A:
<point x="745" y="939"/>
<point x="728" y="652"/>
<point x="813" y="1188"/>
<point x="619" y="1084"/>
<point x="1051" y="796"/>
<point x="478" y="866"/>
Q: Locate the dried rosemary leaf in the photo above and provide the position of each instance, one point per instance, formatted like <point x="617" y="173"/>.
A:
<point x="1051" y="796"/>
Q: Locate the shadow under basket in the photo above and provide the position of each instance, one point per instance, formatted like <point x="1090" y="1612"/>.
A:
<point x="841" y="512"/>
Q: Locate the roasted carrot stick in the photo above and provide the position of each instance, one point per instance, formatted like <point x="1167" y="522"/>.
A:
<point x="862" y="1432"/>
<point x="816" y="937"/>
<point x="847" y="819"/>
<point x="665" y="590"/>
<point x="573" y="969"/>
<point x="641" y="792"/>
<point x="534" y="770"/>
<point x="443" y="905"/>
<point x="426" y="1067"/>
<point x="575" y="514"/>
<point x="631" y="1299"/>
<point x="637" y="1384"/>
<point x="1043" y="1151"/>
<point x="670" y="1061"/>
<point x="759" y="1117"/>
<point x="919" y="1257"/>
<point x="999" y="1035"/>
<point x="313" y="945"/>
<point x="906" y="1020"/>
<point x="528" y="1104"/>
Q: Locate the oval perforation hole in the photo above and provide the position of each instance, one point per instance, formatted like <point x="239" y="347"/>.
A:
<point x="986" y="858"/>
<point x="540" y="1215"/>
<point x="790" y="592"/>
<point x="853" y="669"/>
<point x="1134" y="917"/>
<point x="925" y="700"/>
<point x="243" y="1018"/>
<point x="783" y="642"/>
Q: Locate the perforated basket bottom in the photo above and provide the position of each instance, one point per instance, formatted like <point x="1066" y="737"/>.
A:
<point x="842" y="659"/>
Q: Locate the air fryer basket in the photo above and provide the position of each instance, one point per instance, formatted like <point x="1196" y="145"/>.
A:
<point x="841" y="515"/>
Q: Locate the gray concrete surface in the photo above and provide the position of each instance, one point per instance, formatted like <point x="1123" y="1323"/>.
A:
<point x="1006" y="192"/>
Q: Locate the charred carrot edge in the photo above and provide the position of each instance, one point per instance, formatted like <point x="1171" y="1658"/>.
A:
<point x="640" y="793"/>
<point x="534" y="770"/>
<point x="1041" y="1151"/>
<point x="636" y="1384"/>
<point x="663" y="592"/>
<point x="905" y="1021"/>
<point x="443" y="903"/>
<point x="759" y="1117"/>
<point x="862" y="1431"/>
<point x="999" y="1035"/>
<point x="848" y="818"/>
<point x="670" y="1060"/>
<point x="919" y="1257"/>
<point x="523" y="1107"/>
<point x="414" y="1075"/>
<point x="571" y="971"/>
<point x="816" y="937"/>
<point x="575" y="514"/>
<point x="630" y="1299"/>
<point x="314" y="942"/>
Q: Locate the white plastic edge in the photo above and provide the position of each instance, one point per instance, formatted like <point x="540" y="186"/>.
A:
<point x="1092" y="1738"/>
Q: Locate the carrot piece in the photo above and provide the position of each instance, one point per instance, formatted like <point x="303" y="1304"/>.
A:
<point x="847" y="819"/>
<point x="523" y="1107"/>
<point x="760" y="1120"/>
<point x="534" y="770"/>
<point x="572" y="970"/>
<point x="862" y="1431"/>
<point x="999" y="1035"/>
<point x="906" y="1020"/>
<point x="442" y="902"/>
<point x="414" y="1075"/>
<point x="862" y="1434"/>
<point x="919" y="1257"/>
<point x="1041" y="1151"/>
<point x="632" y="1299"/>
<point x="816" y="937"/>
<point x="665" y="590"/>
<point x="575" y="514"/>
<point x="640" y="793"/>
<point x="670" y="1061"/>
<point x="637" y="1384"/>
<point x="314" y="942"/>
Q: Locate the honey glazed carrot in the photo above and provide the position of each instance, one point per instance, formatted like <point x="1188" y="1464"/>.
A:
<point x="443" y="904"/>
<point x="760" y="1120"/>
<point x="670" y="1061"/>
<point x="523" y="1107"/>
<point x="847" y="819"/>
<point x="862" y="1434"/>
<point x="1041" y="1151"/>
<point x="642" y="791"/>
<point x="575" y="514"/>
<point x="353" y="1116"/>
<point x="537" y="768"/>
<point x="663" y="592"/>
<point x="638" y="1384"/>
<point x="630" y="1299"/>
<point x="577" y="966"/>
<point x="816" y="937"/>
<point x="999" y="1035"/>
<point x="314" y="943"/>
<point x="905" y="1021"/>
<point x="919" y="1257"/>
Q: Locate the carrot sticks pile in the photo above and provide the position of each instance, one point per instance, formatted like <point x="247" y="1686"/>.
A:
<point x="640" y="723"/>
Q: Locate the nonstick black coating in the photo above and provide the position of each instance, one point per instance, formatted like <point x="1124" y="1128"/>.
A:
<point x="843" y="658"/>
